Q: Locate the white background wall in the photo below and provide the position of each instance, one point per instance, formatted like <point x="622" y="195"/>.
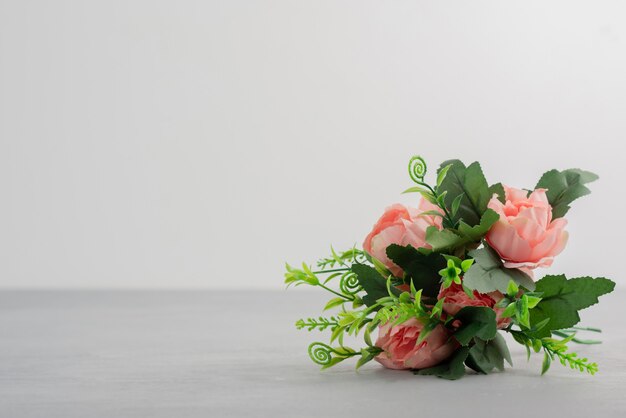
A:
<point x="203" y="143"/>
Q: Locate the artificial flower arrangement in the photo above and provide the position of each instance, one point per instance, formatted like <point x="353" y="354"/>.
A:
<point x="442" y="281"/>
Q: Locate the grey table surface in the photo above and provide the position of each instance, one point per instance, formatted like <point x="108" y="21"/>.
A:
<point x="237" y="354"/>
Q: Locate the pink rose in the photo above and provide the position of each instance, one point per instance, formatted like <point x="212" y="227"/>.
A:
<point x="456" y="299"/>
<point x="525" y="236"/>
<point x="401" y="351"/>
<point x="403" y="226"/>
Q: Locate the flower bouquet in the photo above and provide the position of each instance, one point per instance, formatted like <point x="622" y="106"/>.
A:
<point x="442" y="281"/>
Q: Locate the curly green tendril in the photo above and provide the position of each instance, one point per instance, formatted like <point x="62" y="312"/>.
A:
<point x="321" y="353"/>
<point x="349" y="283"/>
<point x="417" y="169"/>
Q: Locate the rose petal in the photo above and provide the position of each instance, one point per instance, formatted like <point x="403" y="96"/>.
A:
<point x="528" y="229"/>
<point x="505" y="240"/>
<point x="541" y="216"/>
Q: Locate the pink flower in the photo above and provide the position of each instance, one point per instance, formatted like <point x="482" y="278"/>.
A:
<point x="403" y="226"/>
<point x="401" y="351"/>
<point x="525" y="236"/>
<point x="456" y="299"/>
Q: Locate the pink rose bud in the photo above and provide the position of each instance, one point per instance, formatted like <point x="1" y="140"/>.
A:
<point x="403" y="226"/>
<point x="401" y="351"/>
<point x="526" y="236"/>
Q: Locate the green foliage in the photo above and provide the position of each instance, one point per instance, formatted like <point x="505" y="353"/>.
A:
<point x="334" y="302"/>
<point x="327" y="356"/>
<point x="320" y="323"/>
<point x="572" y="332"/>
<point x="502" y="348"/>
<point x="562" y="299"/>
<point x="452" y="369"/>
<point x="450" y="274"/>
<point x="554" y="349"/>
<point x="404" y="308"/>
<point x="517" y="306"/>
<point x="564" y="187"/>
<point x="477" y="232"/>
<point x="512" y="289"/>
<point x="372" y="283"/>
<point x="470" y="183"/>
<point x="488" y="273"/>
<point x="297" y="277"/>
<point x="476" y="321"/>
<point x="398" y="309"/>
<point x="417" y="169"/>
<point x="335" y="266"/>
<point x="343" y="258"/>
<point x="420" y="268"/>
<point x="417" y="172"/>
<point x="349" y="284"/>
<point x="367" y="355"/>
<point x="498" y="189"/>
<point x="456" y="240"/>
<point x="442" y="239"/>
<point x="484" y="356"/>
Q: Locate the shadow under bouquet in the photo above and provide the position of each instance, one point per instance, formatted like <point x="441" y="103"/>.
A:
<point x="441" y="281"/>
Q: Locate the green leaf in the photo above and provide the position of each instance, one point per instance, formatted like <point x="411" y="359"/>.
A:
<point x="509" y="311"/>
<point x="452" y="369"/>
<point x="562" y="299"/>
<point x="456" y="203"/>
<point x="585" y="291"/>
<point x="450" y="274"/>
<point x="498" y="189"/>
<point x="546" y="363"/>
<point x="469" y="182"/>
<point x="512" y="289"/>
<point x="372" y="283"/>
<point x="477" y="232"/>
<point x="521" y="311"/>
<point x="476" y="183"/>
<point x="437" y="310"/>
<point x="446" y="239"/>
<point x="442" y="239"/>
<point x="426" y="194"/>
<point x="422" y="269"/>
<point x="432" y="213"/>
<point x="466" y="264"/>
<point x="334" y="302"/>
<point x="484" y="356"/>
<point x="333" y="362"/>
<point x="441" y="175"/>
<point x="380" y="267"/>
<point x="457" y="261"/>
<point x="532" y="301"/>
<point x="417" y="189"/>
<point x="427" y="329"/>
<point x="367" y="355"/>
<point x="476" y="321"/>
<point x="489" y="274"/>
<point x="501" y="346"/>
<point x="564" y="187"/>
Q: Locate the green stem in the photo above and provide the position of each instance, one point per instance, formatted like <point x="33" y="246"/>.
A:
<point x="336" y="293"/>
<point x="445" y="210"/>
<point x="576" y="340"/>
<point x="331" y="271"/>
<point x="587" y="329"/>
